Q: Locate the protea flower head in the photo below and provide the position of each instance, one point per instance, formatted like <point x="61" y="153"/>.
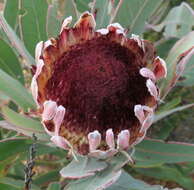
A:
<point x="96" y="90"/>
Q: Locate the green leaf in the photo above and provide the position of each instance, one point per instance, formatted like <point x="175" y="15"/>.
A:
<point x="169" y="105"/>
<point x="16" y="42"/>
<point x="83" y="5"/>
<point x="171" y="152"/>
<point x="20" y="145"/>
<point x="33" y="23"/>
<point x="12" y="184"/>
<point x="53" y="24"/>
<point x="127" y="182"/>
<point x="133" y="14"/>
<point x="104" y="178"/>
<point x="11" y="12"/>
<point x="100" y="181"/>
<point x="187" y="78"/>
<point x="5" y="165"/>
<point x="17" y="93"/>
<point x="23" y="124"/>
<point x="169" y="174"/>
<point x="57" y="12"/>
<point x="169" y="112"/>
<point x="54" y="186"/>
<point x="83" y="167"/>
<point x="8" y="187"/>
<point x="166" y="130"/>
<point x="178" y="22"/>
<point x="181" y="46"/>
<point x="47" y="177"/>
<point x="9" y="62"/>
<point x="10" y="147"/>
<point x="103" y="13"/>
<point x="164" y="47"/>
<point x="147" y="163"/>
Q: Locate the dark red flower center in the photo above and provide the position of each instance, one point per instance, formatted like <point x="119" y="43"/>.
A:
<point x="98" y="82"/>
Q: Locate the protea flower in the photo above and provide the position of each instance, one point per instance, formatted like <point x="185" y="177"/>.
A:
<point x="96" y="90"/>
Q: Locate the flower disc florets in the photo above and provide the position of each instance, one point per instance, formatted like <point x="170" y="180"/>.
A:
<point x="96" y="90"/>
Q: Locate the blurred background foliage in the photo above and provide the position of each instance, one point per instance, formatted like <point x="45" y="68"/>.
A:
<point x="167" y="23"/>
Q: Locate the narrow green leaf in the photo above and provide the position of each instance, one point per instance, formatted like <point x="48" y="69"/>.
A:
<point x="82" y="168"/>
<point x="7" y="187"/>
<point x="21" y="120"/>
<point x="11" y="12"/>
<point x="23" y="124"/>
<point x="33" y="23"/>
<point x="14" y="89"/>
<point x="171" y="152"/>
<point x="169" y="174"/>
<point x="57" y="12"/>
<point x="12" y="147"/>
<point x="187" y="78"/>
<point x="54" y="186"/>
<point x="9" y="62"/>
<point x="83" y="5"/>
<point x="5" y="165"/>
<point x="102" y="179"/>
<point x="133" y="14"/>
<point x="16" y="42"/>
<point x="180" y="47"/>
<point x="53" y="23"/>
<point x="12" y="184"/>
<point x="169" y="105"/>
<point x="169" y="112"/>
<point x="103" y="13"/>
<point x="165" y="46"/>
<point x="50" y="176"/>
<point x="20" y="145"/>
<point x="178" y="22"/>
<point x="166" y="130"/>
<point x="127" y="182"/>
<point x="147" y="163"/>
